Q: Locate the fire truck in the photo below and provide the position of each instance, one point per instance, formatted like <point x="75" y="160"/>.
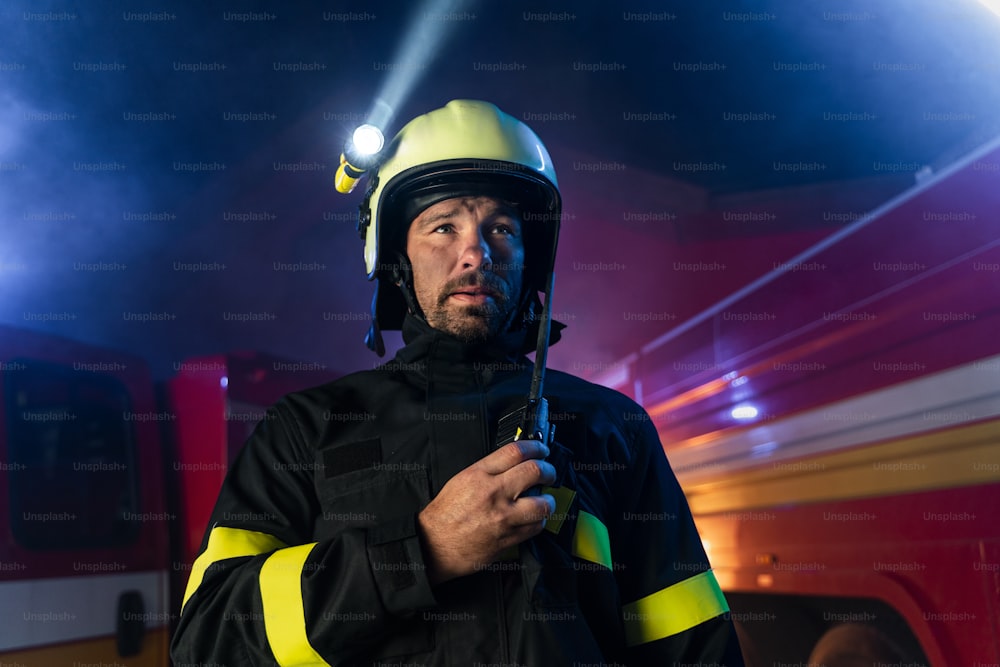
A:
<point x="836" y="428"/>
<point x="110" y="479"/>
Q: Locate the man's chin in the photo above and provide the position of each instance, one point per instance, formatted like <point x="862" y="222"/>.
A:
<point x="470" y="329"/>
<point x="468" y="334"/>
<point x="470" y="325"/>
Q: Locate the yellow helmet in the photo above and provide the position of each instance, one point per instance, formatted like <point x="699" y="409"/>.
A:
<point x="467" y="147"/>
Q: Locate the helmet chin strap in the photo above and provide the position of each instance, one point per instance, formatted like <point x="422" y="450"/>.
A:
<point x="526" y="312"/>
<point x="402" y="277"/>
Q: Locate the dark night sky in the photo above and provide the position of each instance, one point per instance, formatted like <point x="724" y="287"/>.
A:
<point x="122" y="166"/>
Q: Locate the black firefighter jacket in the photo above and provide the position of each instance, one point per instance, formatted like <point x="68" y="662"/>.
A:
<point x="312" y="556"/>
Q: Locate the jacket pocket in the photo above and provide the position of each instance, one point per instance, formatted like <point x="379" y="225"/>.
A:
<point x="364" y="491"/>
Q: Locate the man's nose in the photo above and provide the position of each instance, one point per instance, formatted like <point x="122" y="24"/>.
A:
<point x="476" y="253"/>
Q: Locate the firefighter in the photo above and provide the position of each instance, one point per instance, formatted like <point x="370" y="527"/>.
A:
<point x="376" y="520"/>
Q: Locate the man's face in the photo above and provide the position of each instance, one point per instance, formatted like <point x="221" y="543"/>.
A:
<point x="468" y="259"/>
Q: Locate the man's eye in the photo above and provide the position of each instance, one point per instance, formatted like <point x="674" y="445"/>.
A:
<point x="504" y="229"/>
<point x="442" y="229"/>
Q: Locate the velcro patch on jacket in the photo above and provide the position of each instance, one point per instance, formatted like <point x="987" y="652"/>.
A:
<point x="564" y="499"/>
<point x="352" y="456"/>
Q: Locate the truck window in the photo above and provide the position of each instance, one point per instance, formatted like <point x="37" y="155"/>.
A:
<point x="71" y="446"/>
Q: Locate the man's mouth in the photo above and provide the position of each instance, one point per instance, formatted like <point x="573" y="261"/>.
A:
<point x="474" y="295"/>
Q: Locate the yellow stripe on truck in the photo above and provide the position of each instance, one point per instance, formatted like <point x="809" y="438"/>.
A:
<point x="92" y="651"/>
<point x="946" y="458"/>
<point x="226" y="543"/>
<point x="674" y="609"/>
<point x="284" y="615"/>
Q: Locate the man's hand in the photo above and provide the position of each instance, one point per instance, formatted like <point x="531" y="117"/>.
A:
<point x="481" y="510"/>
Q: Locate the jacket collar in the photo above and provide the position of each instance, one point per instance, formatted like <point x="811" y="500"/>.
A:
<point x="425" y="342"/>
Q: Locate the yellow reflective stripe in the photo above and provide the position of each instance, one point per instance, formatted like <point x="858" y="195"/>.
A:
<point x="564" y="498"/>
<point x="226" y="543"/>
<point x="590" y="540"/>
<point x="284" y="615"/>
<point x="674" y="609"/>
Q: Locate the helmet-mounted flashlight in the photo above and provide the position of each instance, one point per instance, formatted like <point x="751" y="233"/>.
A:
<point x="361" y="153"/>
<point x="368" y="139"/>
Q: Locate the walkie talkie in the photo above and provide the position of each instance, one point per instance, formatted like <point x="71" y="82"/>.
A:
<point x="531" y="420"/>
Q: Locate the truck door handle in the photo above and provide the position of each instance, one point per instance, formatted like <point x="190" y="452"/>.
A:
<point x="131" y="626"/>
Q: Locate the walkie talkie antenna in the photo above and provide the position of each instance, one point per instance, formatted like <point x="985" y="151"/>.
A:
<point x="531" y="419"/>
<point x="542" y="347"/>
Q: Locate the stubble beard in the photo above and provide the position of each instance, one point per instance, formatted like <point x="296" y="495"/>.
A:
<point x="473" y="323"/>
